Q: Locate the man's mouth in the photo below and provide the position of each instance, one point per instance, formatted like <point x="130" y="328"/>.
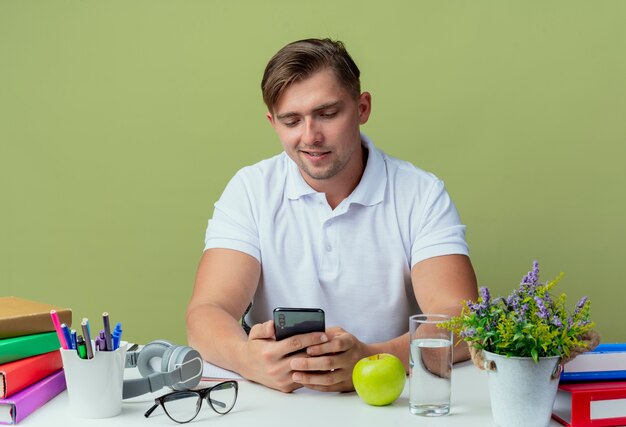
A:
<point x="315" y="153"/>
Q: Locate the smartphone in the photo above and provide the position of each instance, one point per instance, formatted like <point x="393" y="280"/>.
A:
<point x="294" y="321"/>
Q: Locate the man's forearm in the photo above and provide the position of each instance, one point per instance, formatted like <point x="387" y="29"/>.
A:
<point x="398" y="346"/>
<point x="216" y="335"/>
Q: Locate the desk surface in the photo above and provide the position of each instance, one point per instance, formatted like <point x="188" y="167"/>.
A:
<point x="259" y="406"/>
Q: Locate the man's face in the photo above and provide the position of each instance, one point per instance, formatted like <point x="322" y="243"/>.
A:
<point x="318" y="121"/>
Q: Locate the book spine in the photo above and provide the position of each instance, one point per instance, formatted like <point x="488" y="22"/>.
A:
<point x="581" y="408"/>
<point x="593" y="376"/>
<point x="31" y="345"/>
<point x="33" y="323"/>
<point x="17" y="375"/>
<point x="35" y="396"/>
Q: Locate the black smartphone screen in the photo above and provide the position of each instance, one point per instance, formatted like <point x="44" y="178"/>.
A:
<point x="294" y="321"/>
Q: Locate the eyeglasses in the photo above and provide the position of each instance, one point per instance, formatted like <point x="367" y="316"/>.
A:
<point x="184" y="406"/>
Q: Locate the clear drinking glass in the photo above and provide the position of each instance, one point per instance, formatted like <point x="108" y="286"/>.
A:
<point x="430" y="362"/>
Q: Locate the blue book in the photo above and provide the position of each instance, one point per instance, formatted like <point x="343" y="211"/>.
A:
<point x="606" y="362"/>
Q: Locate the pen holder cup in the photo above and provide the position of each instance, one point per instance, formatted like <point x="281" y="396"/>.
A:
<point x="94" y="386"/>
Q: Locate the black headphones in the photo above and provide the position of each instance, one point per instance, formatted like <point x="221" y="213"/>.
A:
<point x="160" y="364"/>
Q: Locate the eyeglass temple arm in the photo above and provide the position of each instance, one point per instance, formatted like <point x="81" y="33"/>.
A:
<point x="218" y="403"/>
<point x="151" y="410"/>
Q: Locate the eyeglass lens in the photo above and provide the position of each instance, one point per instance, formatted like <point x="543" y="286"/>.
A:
<point x="222" y="397"/>
<point x="183" y="406"/>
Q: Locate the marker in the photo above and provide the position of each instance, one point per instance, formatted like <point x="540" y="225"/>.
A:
<point x="73" y="335"/>
<point x="67" y="335"/>
<point x="57" y="327"/>
<point x="85" y="326"/>
<point x="117" y="335"/>
<point x="108" y="342"/>
<point x="80" y="347"/>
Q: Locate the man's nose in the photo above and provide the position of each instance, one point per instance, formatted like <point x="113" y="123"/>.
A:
<point x="311" y="133"/>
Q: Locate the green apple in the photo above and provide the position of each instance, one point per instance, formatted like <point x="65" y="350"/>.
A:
<point x="379" y="379"/>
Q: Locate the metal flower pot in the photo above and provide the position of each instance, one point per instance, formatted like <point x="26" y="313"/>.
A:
<point x="522" y="391"/>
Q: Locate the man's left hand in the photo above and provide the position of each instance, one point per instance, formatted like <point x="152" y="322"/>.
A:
<point x="328" y="366"/>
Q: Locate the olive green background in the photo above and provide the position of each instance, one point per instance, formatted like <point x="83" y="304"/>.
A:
<point x="122" y="121"/>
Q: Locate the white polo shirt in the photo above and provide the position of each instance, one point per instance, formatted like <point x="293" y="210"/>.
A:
<point x="354" y="262"/>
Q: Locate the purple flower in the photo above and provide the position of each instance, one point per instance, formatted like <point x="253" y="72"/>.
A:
<point x="557" y="322"/>
<point x="579" y="306"/>
<point x="512" y="302"/>
<point x="468" y="333"/>
<point x="543" y="311"/>
<point x="484" y="294"/>
<point x="533" y="276"/>
<point x="482" y="307"/>
<point x="547" y="298"/>
<point x="522" y="312"/>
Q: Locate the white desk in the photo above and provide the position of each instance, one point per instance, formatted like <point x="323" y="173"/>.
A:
<point x="258" y="406"/>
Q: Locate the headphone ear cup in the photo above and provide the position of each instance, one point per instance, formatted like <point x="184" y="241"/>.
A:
<point x="167" y="363"/>
<point x="174" y="358"/>
<point x="155" y="349"/>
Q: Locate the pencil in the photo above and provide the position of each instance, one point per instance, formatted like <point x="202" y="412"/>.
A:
<point x="108" y="341"/>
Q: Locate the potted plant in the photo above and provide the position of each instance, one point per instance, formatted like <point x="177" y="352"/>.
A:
<point x="522" y="341"/>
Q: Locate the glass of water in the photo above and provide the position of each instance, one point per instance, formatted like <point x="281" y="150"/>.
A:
<point x="430" y="362"/>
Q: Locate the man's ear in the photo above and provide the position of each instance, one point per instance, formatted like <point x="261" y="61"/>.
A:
<point x="365" y="107"/>
<point x="270" y="118"/>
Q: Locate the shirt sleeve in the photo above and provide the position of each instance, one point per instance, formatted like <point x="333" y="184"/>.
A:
<point x="438" y="229"/>
<point x="233" y="225"/>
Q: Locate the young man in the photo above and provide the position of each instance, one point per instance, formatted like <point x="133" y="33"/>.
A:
<point x="331" y="223"/>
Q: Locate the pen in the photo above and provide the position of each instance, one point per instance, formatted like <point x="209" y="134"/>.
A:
<point x="107" y="332"/>
<point x="100" y="341"/>
<point x="57" y="327"/>
<point x="80" y="347"/>
<point x="84" y="325"/>
<point x="67" y="335"/>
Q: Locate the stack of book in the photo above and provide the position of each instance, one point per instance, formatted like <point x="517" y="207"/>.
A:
<point x="592" y="390"/>
<point x="31" y="370"/>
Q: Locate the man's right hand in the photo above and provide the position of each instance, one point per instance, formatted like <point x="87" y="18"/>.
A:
<point x="269" y="361"/>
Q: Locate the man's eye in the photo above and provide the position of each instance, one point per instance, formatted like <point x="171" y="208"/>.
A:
<point x="328" y="114"/>
<point x="291" y="123"/>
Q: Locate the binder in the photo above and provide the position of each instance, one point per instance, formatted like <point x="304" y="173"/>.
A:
<point x="29" y="345"/>
<point x="605" y="362"/>
<point x="594" y="404"/>
<point x="17" y="407"/>
<point x="19" y="316"/>
<point x="19" y="374"/>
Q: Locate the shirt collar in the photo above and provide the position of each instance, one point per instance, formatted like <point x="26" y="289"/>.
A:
<point x="296" y="185"/>
<point x="369" y="191"/>
<point x="371" y="188"/>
